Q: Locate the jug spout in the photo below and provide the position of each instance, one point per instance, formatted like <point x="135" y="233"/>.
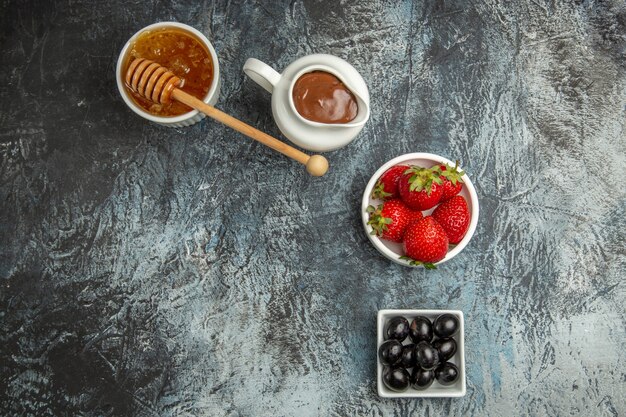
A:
<point x="363" y="112"/>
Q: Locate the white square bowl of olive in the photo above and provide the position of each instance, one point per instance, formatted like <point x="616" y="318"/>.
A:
<point x="420" y="353"/>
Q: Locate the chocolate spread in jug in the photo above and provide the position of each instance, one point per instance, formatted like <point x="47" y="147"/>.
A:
<point x="321" y="97"/>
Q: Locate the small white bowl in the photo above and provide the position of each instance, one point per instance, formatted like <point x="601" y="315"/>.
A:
<point x="435" y="390"/>
<point x="392" y="250"/>
<point x="186" y="119"/>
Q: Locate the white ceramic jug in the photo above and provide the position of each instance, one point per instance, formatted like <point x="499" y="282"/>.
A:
<point x="314" y="136"/>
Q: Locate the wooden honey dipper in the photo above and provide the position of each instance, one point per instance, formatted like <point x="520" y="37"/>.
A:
<point x="157" y="84"/>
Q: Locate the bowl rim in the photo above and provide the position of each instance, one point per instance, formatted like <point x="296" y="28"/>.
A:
<point x="159" y="119"/>
<point x="384" y="392"/>
<point x="365" y="202"/>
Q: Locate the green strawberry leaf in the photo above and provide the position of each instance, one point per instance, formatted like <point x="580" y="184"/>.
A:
<point x="422" y="179"/>
<point x="453" y="174"/>
<point x="437" y="168"/>
<point x="411" y="261"/>
<point x="377" y="220"/>
<point x="379" y="191"/>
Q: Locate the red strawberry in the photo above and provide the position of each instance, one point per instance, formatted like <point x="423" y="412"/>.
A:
<point x="425" y="242"/>
<point x="386" y="187"/>
<point x="420" y="188"/>
<point x="454" y="216"/>
<point x="391" y="218"/>
<point x="452" y="181"/>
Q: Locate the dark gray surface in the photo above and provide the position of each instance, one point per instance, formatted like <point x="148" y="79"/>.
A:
<point x="151" y="271"/>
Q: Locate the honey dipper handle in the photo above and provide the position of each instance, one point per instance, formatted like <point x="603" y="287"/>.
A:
<point x="316" y="165"/>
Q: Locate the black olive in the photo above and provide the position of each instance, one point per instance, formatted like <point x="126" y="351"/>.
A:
<point x="426" y="355"/>
<point x="397" y="328"/>
<point x="421" y="329"/>
<point x="447" y="374"/>
<point x="390" y="352"/>
<point x="396" y="378"/>
<point x="421" y="378"/>
<point x="408" y="356"/>
<point x="446" y="325"/>
<point x="446" y="348"/>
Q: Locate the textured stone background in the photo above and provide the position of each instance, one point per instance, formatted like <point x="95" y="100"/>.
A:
<point x="148" y="271"/>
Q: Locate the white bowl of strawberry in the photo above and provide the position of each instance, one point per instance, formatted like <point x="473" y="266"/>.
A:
<point x="420" y="210"/>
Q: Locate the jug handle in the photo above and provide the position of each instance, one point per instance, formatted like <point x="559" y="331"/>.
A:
<point x="262" y="74"/>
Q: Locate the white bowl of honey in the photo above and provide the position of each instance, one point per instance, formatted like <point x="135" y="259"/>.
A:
<point x="184" y="51"/>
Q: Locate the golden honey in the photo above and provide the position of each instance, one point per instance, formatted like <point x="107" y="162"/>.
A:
<point x="180" y="52"/>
